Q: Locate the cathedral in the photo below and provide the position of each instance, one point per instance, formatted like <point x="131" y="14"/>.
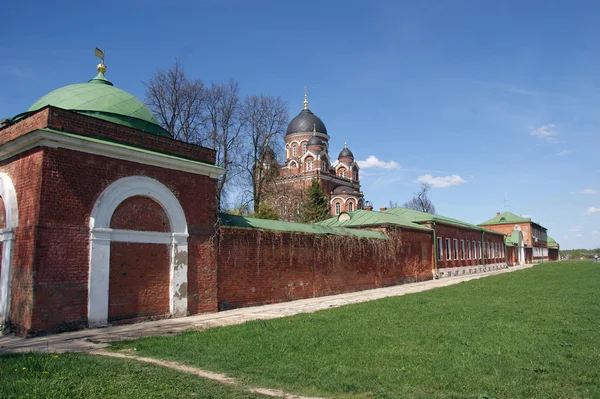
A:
<point x="307" y="158"/>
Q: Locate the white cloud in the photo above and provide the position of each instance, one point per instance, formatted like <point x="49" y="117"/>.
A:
<point x="578" y="235"/>
<point x="524" y="215"/>
<point x="592" y="210"/>
<point x="373" y="162"/>
<point x="594" y="232"/>
<point x="442" y="181"/>
<point x="590" y="191"/>
<point x="564" y="152"/>
<point x="575" y="228"/>
<point x="547" y="132"/>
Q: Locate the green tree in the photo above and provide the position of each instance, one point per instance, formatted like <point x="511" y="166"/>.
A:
<point x="264" y="211"/>
<point x="314" y="207"/>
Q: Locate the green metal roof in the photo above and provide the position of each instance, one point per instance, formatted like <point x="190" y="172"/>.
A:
<point x="551" y="242"/>
<point x="506" y="217"/>
<point x="362" y="218"/>
<point x="100" y="99"/>
<point x="276" y="225"/>
<point x="513" y="239"/>
<point x="423" y="217"/>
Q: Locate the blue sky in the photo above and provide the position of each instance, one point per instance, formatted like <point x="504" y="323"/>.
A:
<point x="479" y="99"/>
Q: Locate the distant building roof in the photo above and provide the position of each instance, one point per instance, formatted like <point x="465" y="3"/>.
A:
<point x="551" y="242"/>
<point x="277" y="225"/>
<point x="362" y="218"/>
<point x="506" y="217"/>
<point x="423" y="217"/>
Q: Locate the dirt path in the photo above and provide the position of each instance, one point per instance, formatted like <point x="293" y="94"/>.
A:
<point x="222" y="378"/>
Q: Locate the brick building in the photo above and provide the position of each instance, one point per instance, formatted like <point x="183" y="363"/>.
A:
<point x="307" y="158"/>
<point x="458" y="247"/>
<point x="106" y="218"/>
<point x="532" y="237"/>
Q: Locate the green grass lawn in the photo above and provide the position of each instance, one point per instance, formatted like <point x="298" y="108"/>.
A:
<point x="85" y="376"/>
<point x="529" y="334"/>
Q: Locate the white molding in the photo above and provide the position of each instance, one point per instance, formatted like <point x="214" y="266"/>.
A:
<point x="101" y="236"/>
<point x="45" y="138"/>
<point x="9" y="196"/>
<point x="344" y="199"/>
<point x="297" y="134"/>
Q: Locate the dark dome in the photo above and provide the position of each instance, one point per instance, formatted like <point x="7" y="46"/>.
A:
<point x="315" y="140"/>
<point x="346" y="153"/>
<point x="306" y="121"/>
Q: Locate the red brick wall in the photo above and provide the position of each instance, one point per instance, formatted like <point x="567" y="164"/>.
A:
<point x="63" y="120"/>
<point x="512" y="255"/>
<point x="140" y="213"/>
<point x="24" y="171"/>
<point x="2" y="214"/>
<point x="72" y="182"/>
<point x="258" y="267"/>
<point x="139" y="281"/>
<point x="470" y="235"/>
<point x="507" y="230"/>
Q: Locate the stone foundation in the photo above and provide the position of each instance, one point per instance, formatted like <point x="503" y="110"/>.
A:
<point x="460" y="271"/>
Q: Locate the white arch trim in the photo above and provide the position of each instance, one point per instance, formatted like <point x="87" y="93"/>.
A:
<point x="7" y="237"/>
<point x="101" y="236"/>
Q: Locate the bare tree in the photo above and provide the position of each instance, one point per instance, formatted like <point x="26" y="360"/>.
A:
<point x="420" y="201"/>
<point x="393" y="204"/>
<point x="265" y="120"/>
<point x="177" y="102"/>
<point x="222" y="127"/>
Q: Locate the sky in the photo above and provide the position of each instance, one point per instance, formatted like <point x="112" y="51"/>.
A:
<point x="485" y="101"/>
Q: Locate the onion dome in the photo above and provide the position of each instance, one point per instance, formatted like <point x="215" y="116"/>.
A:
<point x="346" y="153"/>
<point x="98" y="98"/>
<point x="306" y="121"/>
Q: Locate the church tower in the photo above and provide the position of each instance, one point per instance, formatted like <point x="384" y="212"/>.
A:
<point x="307" y="158"/>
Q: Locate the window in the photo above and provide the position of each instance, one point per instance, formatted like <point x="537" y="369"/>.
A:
<point x="304" y="148"/>
<point x="350" y="206"/>
<point x="479" y="249"/>
<point x="309" y="165"/>
<point x="448" y="249"/>
<point x="324" y="165"/>
<point x="342" y="173"/>
<point x="355" y="175"/>
<point x="440" y="250"/>
<point x="455" y="249"/>
<point x="338" y="208"/>
<point x="468" y="250"/>
<point x="462" y="249"/>
<point x="474" y="250"/>
<point x="294" y="150"/>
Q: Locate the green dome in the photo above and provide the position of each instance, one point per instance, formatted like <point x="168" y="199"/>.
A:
<point x="100" y="99"/>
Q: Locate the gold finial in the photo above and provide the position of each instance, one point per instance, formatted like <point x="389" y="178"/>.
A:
<point x="345" y="146"/>
<point x="305" y="99"/>
<point x="100" y="54"/>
